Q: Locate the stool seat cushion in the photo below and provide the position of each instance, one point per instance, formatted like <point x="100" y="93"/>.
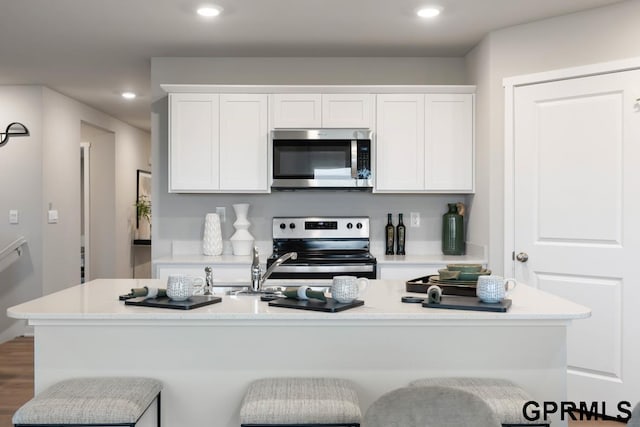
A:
<point x="300" y="401"/>
<point x="634" y="421"/>
<point x="430" y="406"/>
<point x="505" y="398"/>
<point x="108" y="400"/>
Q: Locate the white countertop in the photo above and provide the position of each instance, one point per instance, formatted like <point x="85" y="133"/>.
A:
<point x="98" y="301"/>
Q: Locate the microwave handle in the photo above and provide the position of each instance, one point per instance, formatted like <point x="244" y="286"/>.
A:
<point x="354" y="158"/>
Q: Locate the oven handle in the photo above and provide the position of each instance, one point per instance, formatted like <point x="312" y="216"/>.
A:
<point x="326" y="268"/>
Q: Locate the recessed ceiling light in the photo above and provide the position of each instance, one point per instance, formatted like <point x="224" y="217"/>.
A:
<point x="128" y="95"/>
<point x="209" y="11"/>
<point x="429" y="12"/>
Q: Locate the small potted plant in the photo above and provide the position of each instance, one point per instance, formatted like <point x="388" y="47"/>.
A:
<point x="143" y="208"/>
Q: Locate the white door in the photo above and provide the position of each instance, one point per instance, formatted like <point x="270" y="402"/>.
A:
<point x="577" y="218"/>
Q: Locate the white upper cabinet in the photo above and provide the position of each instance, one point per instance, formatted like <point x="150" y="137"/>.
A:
<point x="193" y="142"/>
<point x="297" y="110"/>
<point x="345" y="110"/>
<point x="449" y="157"/>
<point x="400" y="142"/>
<point x="218" y="143"/>
<point x="424" y="143"/>
<point x="329" y="110"/>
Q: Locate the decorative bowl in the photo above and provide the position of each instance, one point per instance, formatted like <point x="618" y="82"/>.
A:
<point x="473" y="276"/>
<point x="466" y="268"/>
<point x="448" y="274"/>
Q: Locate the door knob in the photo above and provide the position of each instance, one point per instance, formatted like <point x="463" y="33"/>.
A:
<point x="522" y="257"/>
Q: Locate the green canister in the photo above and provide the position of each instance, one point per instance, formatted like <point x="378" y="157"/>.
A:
<point x="453" y="230"/>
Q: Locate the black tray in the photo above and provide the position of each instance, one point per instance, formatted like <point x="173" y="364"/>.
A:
<point x="421" y="284"/>
<point x="468" y="303"/>
<point x="330" y="306"/>
<point x="164" y="302"/>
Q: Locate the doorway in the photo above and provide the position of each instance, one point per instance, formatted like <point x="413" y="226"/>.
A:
<point x="98" y="197"/>
<point x="85" y="213"/>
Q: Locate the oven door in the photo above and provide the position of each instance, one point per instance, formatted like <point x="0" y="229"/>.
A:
<point x="320" y="159"/>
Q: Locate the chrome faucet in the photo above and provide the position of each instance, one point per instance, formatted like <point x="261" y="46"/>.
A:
<point x="257" y="278"/>
<point x="208" y="288"/>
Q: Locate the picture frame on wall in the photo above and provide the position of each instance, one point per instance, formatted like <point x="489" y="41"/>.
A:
<point x="143" y="186"/>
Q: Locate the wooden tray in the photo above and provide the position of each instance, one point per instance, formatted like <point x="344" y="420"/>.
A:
<point x="467" y="303"/>
<point x="164" y="302"/>
<point x="330" y="306"/>
<point x="421" y="284"/>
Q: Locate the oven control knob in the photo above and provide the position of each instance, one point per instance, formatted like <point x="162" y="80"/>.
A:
<point x="349" y="226"/>
<point x="292" y="226"/>
<point x="359" y="225"/>
<point x="282" y="226"/>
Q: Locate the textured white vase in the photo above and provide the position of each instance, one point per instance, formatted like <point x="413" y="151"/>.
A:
<point x="212" y="238"/>
<point x="242" y="240"/>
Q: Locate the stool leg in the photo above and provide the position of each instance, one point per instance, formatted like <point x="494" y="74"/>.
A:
<point x="159" y="399"/>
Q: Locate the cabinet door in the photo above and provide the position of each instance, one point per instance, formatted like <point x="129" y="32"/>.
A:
<point x="193" y="142"/>
<point x="400" y="142"/>
<point x="297" y="110"/>
<point x="343" y="110"/>
<point x="244" y="141"/>
<point x="449" y="164"/>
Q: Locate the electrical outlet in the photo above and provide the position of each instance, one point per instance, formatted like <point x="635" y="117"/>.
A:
<point x="415" y="219"/>
<point x="13" y="216"/>
<point x="222" y="213"/>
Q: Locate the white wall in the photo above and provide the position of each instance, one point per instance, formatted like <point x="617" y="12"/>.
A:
<point x="63" y="118"/>
<point x="597" y="35"/>
<point x="21" y="189"/>
<point x="181" y="216"/>
<point x="45" y="168"/>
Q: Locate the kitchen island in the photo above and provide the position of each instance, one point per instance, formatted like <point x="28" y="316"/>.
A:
<point x="206" y="357"/>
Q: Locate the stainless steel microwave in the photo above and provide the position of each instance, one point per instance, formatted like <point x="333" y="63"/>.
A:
<point x="321" y="159"/>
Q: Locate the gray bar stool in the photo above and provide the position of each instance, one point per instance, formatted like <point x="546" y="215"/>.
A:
<point x="429" y="406"/>
<point x="505" y="398"/>
<point x="300" y="402"/>
<point x="108" y="401"/>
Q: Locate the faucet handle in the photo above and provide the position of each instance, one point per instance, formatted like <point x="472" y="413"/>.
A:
<point x="256" y="256"/>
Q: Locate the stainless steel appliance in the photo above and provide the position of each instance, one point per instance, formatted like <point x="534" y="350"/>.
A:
<point x="322" y="159"/>
<point x="325" y="247"/>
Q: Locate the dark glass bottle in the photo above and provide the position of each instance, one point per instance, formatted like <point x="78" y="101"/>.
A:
<point x="400" y="236"/>
<point x="389" y="236"/>
<point x="452" y="232"/>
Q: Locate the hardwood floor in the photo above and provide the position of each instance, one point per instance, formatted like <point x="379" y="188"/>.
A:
<point x="16" y="382"/>
<point x="16" y="376"/>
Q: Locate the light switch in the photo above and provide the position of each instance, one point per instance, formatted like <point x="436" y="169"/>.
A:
<point x="53" y="216"/>
<point x="13" y="216"/>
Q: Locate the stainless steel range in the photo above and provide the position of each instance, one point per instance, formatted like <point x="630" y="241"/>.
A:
<point x="326" y="247"/>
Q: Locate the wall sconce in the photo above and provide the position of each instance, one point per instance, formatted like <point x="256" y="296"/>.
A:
<point x="14" y="129"/>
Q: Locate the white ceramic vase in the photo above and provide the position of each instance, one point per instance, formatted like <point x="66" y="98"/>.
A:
<point x="212" y="237"/>
<point x="242" y="240"/>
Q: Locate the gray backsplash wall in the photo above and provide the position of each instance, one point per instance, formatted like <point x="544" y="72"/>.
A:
<point x="181" y="216"/>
